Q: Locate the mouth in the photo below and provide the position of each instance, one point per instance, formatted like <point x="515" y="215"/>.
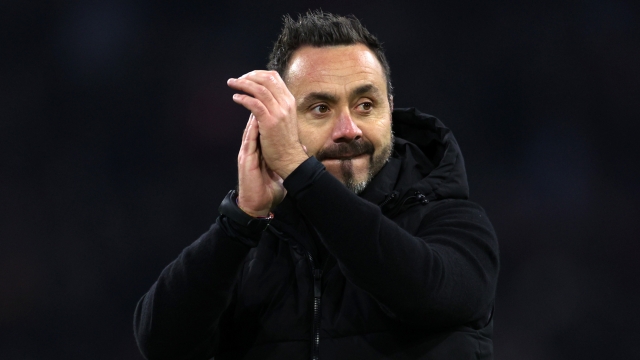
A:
<point x="341" y="152"/>
<point x="347" y="157"/>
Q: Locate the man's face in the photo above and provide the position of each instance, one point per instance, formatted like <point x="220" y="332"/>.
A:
<point x="344" y="115"/>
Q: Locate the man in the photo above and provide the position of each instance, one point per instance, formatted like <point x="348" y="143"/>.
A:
<point x="341" y="241"/>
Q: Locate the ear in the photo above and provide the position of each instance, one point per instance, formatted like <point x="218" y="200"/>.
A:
<point x="391" y="102"/>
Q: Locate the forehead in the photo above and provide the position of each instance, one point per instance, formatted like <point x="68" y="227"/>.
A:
<point x="333" y="66"/>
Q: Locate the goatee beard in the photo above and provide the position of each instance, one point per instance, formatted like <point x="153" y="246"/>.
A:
<point x="346" y="168"/>
<point x="353" y="149"/>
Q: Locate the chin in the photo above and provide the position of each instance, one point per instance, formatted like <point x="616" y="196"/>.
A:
<point x="355" y="181"/>
<point x="357" y="187"/>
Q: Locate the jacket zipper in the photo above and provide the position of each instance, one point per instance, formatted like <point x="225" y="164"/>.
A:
<point x="317" y="294"/>
<point x="388" y="198"/>
<point x="407" y="202"/>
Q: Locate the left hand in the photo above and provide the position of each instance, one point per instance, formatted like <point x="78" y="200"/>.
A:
<point x="274" y="107"/>
<point x="259" y="188"/>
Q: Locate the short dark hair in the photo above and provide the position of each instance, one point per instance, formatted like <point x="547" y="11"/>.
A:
<point x="318" y="29"/>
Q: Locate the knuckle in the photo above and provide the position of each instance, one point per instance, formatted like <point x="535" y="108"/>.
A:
<point x="260" y="110"/>
<point x="289" y="106"/>
<point x="263" y="90"/>
<point x="251" y="101"/>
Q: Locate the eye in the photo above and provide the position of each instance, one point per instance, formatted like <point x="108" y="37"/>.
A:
<point x="320" y="109"/>
<point x="366" y="106"/>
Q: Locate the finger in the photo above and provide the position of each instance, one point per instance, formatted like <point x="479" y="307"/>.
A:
<point x="250" y="140"/>
<point x="273" y="82"/>
<point x="252" y="104"/>
<point x="252" y="135"/>
<point x="244" y="133"/>
<point x="254" y="89"/>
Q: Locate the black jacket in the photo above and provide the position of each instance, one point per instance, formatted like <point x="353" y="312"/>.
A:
<point x="406" y="270"/>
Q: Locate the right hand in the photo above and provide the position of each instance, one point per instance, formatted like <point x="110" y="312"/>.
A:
<point x="259" y="188"/>
<point x="274" y="107"/>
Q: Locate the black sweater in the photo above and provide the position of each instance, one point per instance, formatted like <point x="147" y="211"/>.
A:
<point x="408" y="269"/>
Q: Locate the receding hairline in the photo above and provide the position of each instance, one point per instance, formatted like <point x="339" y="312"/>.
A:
<point x="285" y="73"/>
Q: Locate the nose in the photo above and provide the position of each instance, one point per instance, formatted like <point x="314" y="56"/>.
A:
<point x="345" y="129"/>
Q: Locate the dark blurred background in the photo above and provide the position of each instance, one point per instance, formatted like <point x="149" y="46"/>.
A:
<point x="118" y="140"/>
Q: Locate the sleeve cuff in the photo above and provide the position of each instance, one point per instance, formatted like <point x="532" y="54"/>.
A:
<point x="304" y="176"/>
<point x="238" y="233"/>
<point x="239" y="225"/>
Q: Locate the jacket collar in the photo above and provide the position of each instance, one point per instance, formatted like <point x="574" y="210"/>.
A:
<point x="426" y="164"/>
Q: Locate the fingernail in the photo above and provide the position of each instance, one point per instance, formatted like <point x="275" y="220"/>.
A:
<point x="231" y="80"/>
<point x="235" y="96"/>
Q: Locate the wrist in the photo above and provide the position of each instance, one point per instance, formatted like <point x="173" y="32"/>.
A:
<point x="232" y="211"/>
<point x="293" y="164"/>
<point x="256" y="214"/>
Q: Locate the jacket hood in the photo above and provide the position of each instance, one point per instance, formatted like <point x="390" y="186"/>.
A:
<point x="426" y="163"/>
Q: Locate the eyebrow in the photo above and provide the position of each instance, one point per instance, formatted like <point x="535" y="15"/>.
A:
<point x="330" y="98"/>
<point x="318" y="96"/>
<point x="365" y="89"/>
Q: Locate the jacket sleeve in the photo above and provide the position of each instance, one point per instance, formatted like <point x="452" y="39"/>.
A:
<point x="443" y="276"/>
<point x="179" y="317"/>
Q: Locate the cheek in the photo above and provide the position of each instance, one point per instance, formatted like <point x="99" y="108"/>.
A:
<point x="313" y="138"/>
<point x="379" y="133"/>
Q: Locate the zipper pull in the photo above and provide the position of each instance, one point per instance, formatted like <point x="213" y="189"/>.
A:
<point x="421" y="198"/>
<point x="317" y="283"/>
<point x="388" y="198"/>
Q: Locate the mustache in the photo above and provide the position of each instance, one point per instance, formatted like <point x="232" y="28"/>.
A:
<point x="345" y="150"/>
